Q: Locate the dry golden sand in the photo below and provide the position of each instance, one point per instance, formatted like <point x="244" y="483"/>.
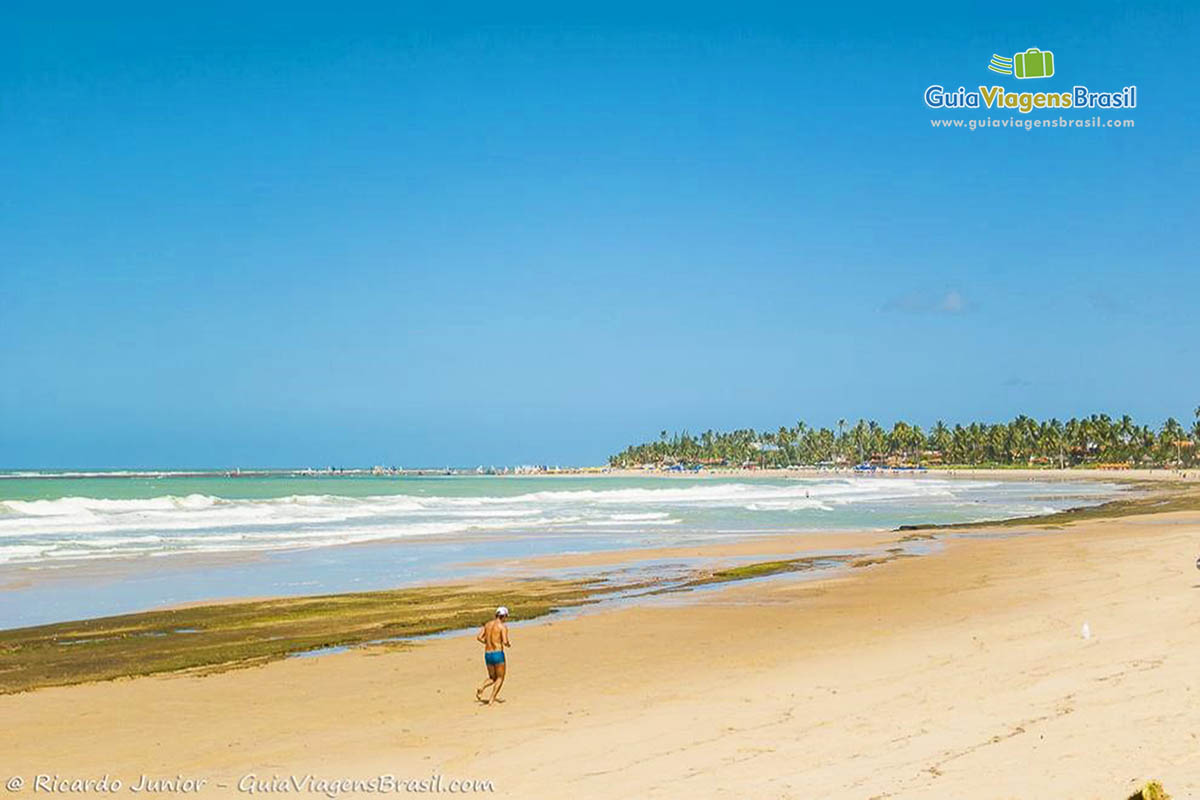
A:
<point x="958" y="675"/>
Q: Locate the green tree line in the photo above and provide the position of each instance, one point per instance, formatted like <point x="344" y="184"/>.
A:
<point x="1097" y="439"/>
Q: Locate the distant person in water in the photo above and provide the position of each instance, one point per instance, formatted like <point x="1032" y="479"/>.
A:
<point x="494" y="638"/>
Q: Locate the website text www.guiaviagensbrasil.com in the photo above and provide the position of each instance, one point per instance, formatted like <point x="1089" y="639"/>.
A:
<point x="1026" y="124"/>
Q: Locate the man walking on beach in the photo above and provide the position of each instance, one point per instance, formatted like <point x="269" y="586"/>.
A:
<point x="494" y="637"/>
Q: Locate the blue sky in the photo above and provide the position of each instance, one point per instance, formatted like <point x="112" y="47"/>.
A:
<point x="371" y="233"/>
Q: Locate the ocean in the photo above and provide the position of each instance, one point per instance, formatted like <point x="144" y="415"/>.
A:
<point x="76" y="545"/>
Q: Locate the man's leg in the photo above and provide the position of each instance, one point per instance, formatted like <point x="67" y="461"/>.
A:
<point x="491" y="668"/>
<point x="500" y="669"/>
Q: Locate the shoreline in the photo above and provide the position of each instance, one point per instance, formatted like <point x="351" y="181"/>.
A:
<point x="63" y="589"/>
<point x="204" y="624"/>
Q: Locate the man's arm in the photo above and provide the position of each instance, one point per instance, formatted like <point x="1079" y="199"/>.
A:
<point x="507" y="643"/>
<point x="482" y="637"/>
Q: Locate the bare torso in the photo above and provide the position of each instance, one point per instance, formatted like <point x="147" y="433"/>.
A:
<point x="494" y="635"/>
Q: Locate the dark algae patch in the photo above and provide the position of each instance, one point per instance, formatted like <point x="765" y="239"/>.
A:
<point x="247" y="633"/>
<point x="763" y="569"/>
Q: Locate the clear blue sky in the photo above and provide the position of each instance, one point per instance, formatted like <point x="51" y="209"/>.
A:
<point x="372" y="233"/>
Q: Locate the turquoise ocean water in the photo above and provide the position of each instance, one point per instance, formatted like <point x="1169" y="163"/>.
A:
<point x="85" y="544"/>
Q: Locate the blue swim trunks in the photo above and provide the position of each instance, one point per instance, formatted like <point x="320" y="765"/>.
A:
<point x="493" y="657"/>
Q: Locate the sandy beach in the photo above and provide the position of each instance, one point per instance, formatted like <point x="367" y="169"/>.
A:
<point x="961" y="674"/>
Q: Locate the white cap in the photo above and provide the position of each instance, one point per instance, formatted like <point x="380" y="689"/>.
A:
<point x="502" y="611"/>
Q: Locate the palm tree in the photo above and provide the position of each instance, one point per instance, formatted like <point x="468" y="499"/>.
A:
<point x="799" y="434"/>
<point x="826" y="445"/>
<point x="859" y="435"/>
<point x="1055" y="440"/>
<point x="874" y="438"/>
<point x="939" y="438"/>
<point x="959" y="445"/>
<point x="784" y="439"/>
<point x="1172" y="435"/>
<point x="1125" y="433"/>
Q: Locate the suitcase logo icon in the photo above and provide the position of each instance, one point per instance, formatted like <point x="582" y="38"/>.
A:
<point x="1033" y="63"/>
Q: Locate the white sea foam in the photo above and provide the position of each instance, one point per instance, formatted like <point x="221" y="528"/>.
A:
<point x="799" y="504"/>
<point x="640" y="517"/>
<point x="84" y="528"/>
<point x="612" y="522"/>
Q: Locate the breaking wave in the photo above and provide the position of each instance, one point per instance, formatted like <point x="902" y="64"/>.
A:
<point x="70" y="528"/>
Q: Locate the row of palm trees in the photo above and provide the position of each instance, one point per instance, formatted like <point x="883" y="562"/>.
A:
<point x="1095" y="440"/>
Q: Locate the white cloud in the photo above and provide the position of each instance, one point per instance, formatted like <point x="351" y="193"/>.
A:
<point x="949" y="302"/>
<point x="952" y="303"/>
